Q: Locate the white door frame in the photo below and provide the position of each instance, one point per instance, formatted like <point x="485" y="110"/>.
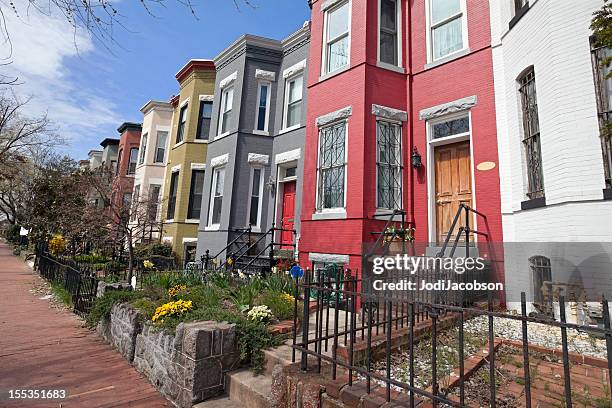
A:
<point x="431" y="168"/>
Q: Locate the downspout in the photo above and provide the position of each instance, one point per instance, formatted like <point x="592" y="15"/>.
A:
<point x="410" y="112"/>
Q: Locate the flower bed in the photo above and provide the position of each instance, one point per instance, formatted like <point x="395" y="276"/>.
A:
<point x="254" y="305"/>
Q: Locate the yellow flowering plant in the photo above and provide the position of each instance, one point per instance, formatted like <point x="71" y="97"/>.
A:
<point x="148" y="264"/>
<point x="57" y="244"/>
<point x="171" y="309"/>
<point x="177" y="290"/>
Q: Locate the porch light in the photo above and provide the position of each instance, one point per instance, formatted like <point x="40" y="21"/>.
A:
<point x="415" y="158"/>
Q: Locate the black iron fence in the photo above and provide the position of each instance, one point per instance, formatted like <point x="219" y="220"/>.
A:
<point x="81" y="284"/>
<point x="354" y="330"/>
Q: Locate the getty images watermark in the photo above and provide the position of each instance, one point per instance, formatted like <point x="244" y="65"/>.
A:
<point x="430" y="273"/>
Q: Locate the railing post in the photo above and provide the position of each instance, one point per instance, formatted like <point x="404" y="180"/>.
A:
<point x="305" y="319"/>
<point x="467" y="231"/>
<point x="271" y="257"/>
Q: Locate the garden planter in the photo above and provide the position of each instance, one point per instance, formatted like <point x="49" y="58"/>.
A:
<point x="121" y="329"/>
<point x="190" y="366"/>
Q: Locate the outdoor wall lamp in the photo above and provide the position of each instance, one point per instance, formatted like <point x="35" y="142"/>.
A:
<point x="415" y="158"/>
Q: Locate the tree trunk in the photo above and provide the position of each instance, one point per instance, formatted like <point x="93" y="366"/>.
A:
<point x="130" y="256"/>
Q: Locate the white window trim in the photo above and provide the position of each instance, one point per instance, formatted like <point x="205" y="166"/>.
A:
<point x="211" y="204"/>
<point x="324" y="72"/>
<point x="257" y="226"/>
<point x="431" y="175"/>
<point x="142" y="152"/>
<point x="340" y="211"/>
<point x="398" y="22"/>
<point x="265" y="130"/>
<point x="286" y="102"/>
<point x="430" y="27"/>
<point x="224" y="92"/>
<point x="380" y="209"/>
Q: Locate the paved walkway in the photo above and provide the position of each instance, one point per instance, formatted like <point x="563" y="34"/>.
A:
<point x="43" y="348"/>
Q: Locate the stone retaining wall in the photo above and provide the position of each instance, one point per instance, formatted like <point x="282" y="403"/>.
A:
<point x="190" y="366"/>
<point x="121" y="329"/>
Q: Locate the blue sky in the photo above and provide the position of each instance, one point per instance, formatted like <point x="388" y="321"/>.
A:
<point x="89" y="92"/>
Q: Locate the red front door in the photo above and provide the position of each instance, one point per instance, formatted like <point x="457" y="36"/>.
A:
<point x="288" y="220"/>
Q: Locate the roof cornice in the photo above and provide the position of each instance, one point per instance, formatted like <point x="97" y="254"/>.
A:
<point x="109" y="141"/>
<point x="129" y="126"/>
<point x="165" y="106"/>
<point x="244" y="41"/>
<point x="193" y="65"/>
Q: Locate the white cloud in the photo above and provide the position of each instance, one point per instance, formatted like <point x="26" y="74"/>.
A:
<point x="42" y="47"/>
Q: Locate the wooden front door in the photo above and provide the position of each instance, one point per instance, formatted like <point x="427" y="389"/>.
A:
<point x="453" y="172"/>
<point x="288" y="214"/>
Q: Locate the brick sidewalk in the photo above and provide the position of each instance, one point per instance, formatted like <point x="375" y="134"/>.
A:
<point x="43" y="348"/>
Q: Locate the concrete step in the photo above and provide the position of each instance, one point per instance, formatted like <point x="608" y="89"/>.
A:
<point x="220" y="402"/>
<point x="279" y="355"/>
<point x="248" y="390"/>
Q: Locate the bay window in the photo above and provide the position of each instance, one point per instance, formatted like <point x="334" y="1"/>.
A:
<point x="388" y="165"/>
<point x="195" y="194"/>
<point x="132" y="161"/>
<point x="446" y="22"/>
<point x="160" y="148"/>
<point x="172" y="195"/>
<point x="255" y="197"/>
<point x="204" y="120"/>
<point x="227" y="100"/>
<point x="216" y="196"/>
<point x="180" y="133"/>
<point x="263" y="106"/>
<point x="388" y="51"/>
<point x="331" y="166"/>
<point x="143" y="148"/>
<point x="336" y="39"/>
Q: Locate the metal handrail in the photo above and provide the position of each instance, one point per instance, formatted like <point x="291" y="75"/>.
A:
<point x="387" y="225"/>
<point x="462" y="229"/>
<point x="232" y="242"/>
<point x="270" y="245"/>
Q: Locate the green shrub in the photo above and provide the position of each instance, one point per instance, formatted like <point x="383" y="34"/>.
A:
<point x="12" y="234"/>
<point x="102" y="306"/>
<point x="243" y="296"/>
<point x="280" y="282"/>
<point x="146" y="306"/>
<point x="92" y="259"/>
<point x="253" y="339"/>
<point x="281" y="304"/>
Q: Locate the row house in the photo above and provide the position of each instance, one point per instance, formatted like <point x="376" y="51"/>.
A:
<point x="127" y="156"/>
<point x="110" y="151"/>
<point x="401" y="116"/>
<point x="188" y="140"/>
<point x="553" y="100"/>
<point x="255" y="157"/>
<point x="150" y="170"/>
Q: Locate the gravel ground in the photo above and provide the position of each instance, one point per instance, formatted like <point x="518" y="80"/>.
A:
<point x="476" y="336"/>
<point x="539" y="334"/>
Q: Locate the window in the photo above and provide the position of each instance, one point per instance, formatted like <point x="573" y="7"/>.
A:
<point x="172" y="195"/>
<point x="388" y="165"/>
<point x="153" y="206"/>
<point x="118" y="162"/>
<point x="160" y="149"/>
<point x="290" y="171"/>
<point x="204" y="120"/>
<point x="180" y="133"/>
<point x="531" y="135"/>
<point x="132" y="163"/>
<point x="446" y="27"/>
<point x="216" y="196"/>
<point x="227" y="100"/>
<point x="143" y="148"/>
<point x="452" y="127"/>
<point x="134" y="213"/>
<point x="263" y="106"/>
<point x="388" y="47"/>
<point x="195" y="194"/>
<point x="336" y="47"/>
<point x="603" y="81"/>
<point x="331" y="166"/>
<point x="293" y="101"/>
<point x="256" y="196"/>
<point x="541" y="272"/>
<point x="127" y="199"/>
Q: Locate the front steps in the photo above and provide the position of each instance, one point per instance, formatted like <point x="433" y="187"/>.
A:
<point x="247" y="390"/>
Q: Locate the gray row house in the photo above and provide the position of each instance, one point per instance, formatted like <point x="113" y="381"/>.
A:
<point x="253" y="180"/>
